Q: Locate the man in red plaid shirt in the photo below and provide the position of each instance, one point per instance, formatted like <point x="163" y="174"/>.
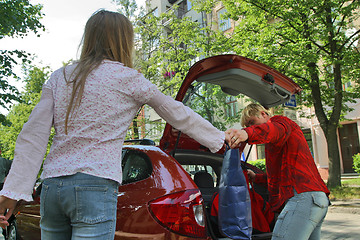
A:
<point x="296" y="189"/>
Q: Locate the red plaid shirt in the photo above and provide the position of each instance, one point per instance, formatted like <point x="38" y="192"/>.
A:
<point x="289" y="163"/>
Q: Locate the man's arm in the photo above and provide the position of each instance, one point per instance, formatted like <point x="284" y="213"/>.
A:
<point x="259" y="178"/>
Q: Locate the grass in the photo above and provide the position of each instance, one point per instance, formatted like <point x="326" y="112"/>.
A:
<point x="352" y="181"/>
<point x="350" y="189"/>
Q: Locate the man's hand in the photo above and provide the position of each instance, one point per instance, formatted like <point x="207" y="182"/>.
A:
<point x="235" y="136"/>
<point x="251" y="175"/>
<point x="7" y="205"/>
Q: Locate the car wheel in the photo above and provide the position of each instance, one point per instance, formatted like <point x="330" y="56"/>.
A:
<point x="11" y="231"/>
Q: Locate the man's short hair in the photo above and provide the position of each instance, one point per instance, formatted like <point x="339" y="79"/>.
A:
<point x="253" y="109"/>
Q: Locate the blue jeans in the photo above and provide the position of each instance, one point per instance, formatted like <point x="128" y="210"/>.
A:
<point x="302" y="217"/>
<point x="79" y="206"/>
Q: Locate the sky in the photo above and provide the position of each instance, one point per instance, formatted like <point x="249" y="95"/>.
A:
<point x="64" y="21"/>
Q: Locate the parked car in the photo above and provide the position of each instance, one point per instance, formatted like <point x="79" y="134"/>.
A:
<point x="161" y="196"/>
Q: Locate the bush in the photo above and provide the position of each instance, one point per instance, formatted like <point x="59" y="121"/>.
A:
<point x="356" y="162"/>
<point x="260" y="163"/>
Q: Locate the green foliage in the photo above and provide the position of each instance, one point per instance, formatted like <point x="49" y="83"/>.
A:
<point x="17" y="18"/>
<point x="19" y="113"/>
<point x="126" y="7"/>
<point x="351" y="182"/>
<point x="307" y="40"/>
<point x="34" y="79"/>
<point x="349" y="189"/>
<point x="203" y="5"/>
<point x="343" y="193"/>
<point x="312" y="42"/>
<point x="356" y="162"/>
<point x="168" y="46"/>
<point x="260" y="163"/>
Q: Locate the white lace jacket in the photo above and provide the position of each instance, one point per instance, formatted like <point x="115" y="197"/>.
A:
<point x="112" y="96"/>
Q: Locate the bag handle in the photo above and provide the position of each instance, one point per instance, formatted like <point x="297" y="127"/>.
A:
<point x="172" y="153"/>
<point x="247" y="156"/>
<point x="227" y="147"/>
<point x="243" y="163"/>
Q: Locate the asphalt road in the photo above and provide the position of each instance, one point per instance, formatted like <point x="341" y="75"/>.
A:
<point x="341" y="223"/>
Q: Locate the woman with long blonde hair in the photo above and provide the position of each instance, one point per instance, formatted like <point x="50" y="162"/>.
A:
<point x="91" y="104"/>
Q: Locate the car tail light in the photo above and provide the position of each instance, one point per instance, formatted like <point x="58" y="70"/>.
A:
<point x="181" y="212"/>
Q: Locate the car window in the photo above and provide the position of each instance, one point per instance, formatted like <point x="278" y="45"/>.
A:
<point x="136" y="166"/>
<point x="193" y="168"/>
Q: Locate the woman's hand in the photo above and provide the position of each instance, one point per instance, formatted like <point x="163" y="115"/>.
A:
<point x="7" y="205"/>
<point x="235" y="136"/>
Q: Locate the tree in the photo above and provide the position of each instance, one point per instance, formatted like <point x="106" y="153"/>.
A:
<point x="17" y="18"/>
<point x="126" y="7"/>
<point x="19" y="113"/>
<point x="313" y="42"/>
<point x="170" y="44"/>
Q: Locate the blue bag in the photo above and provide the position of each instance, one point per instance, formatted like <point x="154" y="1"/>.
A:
<point x="234" y="199"/>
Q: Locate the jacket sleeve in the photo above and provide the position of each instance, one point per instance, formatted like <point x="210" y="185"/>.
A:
<point x="186" y="120"/>
<point x="30" y="149"/>
<point x="261" y="179"/>
<point x="276" y="132"/>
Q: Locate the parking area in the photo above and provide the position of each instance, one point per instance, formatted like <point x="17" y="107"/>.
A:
<point x="338" y="224"/>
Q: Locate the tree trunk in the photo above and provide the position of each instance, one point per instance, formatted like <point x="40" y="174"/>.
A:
<point x="334" y="179"/>
<point x="135" y="129"/>
<point x="329" y="126"/>
<point x="333" y="123"/>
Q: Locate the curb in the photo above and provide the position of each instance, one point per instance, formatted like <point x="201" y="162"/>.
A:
<point x="341" y="209"/>
<point x="345" y="206"/>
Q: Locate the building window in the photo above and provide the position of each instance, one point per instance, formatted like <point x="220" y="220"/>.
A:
<point x="193" y="169"/>
<point x="307" y="135"/>
<point x="260" y="150"/>
<point x="291" y="113"/>
<point x="231" y="106"/>
<point x="156" y="128"/>
<point x="347" y="86"/>
<point x="189" y="6"/>
<point x="155" y="12"/>
<point x="224" y="23"/>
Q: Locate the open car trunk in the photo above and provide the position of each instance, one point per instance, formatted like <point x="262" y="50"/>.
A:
<point x="235" y="75"/>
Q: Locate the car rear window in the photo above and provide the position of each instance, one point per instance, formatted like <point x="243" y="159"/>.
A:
<point x="194" y="168"/>
<point x="136" y="166"/>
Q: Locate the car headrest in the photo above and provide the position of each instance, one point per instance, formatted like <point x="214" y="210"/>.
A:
<point x="203" y="180"/>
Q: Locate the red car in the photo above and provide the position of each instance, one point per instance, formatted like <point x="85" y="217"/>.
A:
<point x="159" y="198"/>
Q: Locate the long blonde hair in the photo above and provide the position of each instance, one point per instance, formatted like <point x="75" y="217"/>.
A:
<point x="107" y="35"/>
